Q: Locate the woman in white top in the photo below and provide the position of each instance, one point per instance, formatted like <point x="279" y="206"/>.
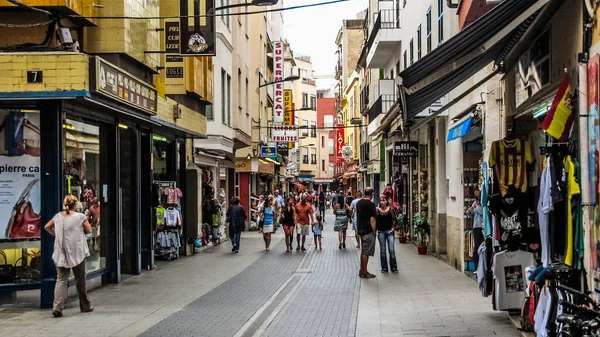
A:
<point x="70" y="251"/>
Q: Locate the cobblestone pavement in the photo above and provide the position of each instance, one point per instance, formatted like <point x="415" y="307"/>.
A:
<point x="258" y="293"/>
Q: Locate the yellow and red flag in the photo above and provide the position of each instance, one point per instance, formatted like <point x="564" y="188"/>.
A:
<point x="559" y="119"/>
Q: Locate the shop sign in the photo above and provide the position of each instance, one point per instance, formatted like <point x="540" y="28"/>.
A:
<point x="278" y="76"/>
<point x="243" y="165"/>
<point x="266" y="168"/>
<point x="373" y="168"/>
<point x="284" y="133"/>
<point x="289" y="111"/>
<point x="174" y="71"/>
<point x="119" y="85"/>
<point x="339" y="142"/>
<point x="268" y="151"/>
<point x="406" y="149"/>
<point x="282" y="149"/>
<point x="20" y="175"/>
<point x="460" y="130"/>
<point x="197" y="28"/>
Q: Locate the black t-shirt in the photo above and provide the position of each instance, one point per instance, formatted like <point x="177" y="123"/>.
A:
<point x="385" y="222"/>
<point x="365" y="210"/>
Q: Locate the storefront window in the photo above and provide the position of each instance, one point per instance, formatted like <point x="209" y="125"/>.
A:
<point x="20" y="194"/>
<point x="163" y="159"/>
<point x="81" y="168"/>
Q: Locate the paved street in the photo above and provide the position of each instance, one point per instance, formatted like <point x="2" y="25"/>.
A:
<point x="258" y="293"/>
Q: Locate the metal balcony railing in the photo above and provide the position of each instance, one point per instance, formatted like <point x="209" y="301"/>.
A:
<point x="364" y="100"/>
<point x="386" y="19"/>
<point x="381" y="106"/>
<point x="308" y="81"/>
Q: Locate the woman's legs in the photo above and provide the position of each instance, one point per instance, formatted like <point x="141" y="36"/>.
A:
<point x="344" y="238"/>
<point x="340" y="237"/>
<point x="382" y="253"/>
<point x="60" y="290"/>
<point x="265" y="235"/>
<point x="320" y="242"/>
<point x="392" y="250"/>
<point x="268" y="241"/>
<point x="84" y="300"/>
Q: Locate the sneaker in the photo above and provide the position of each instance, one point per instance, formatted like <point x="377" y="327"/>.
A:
<point x="236" y="251"/>
<point x="384" y="270"/>
<point x="344" y="245"/>
<point x="303" y="249"/>
<point x="395" y="271"/>
<point x="233" y="249"/>
<point x="268" y="249"/>
<point x="56" y="313"/>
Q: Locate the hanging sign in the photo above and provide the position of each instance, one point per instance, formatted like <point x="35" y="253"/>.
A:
<point x="173" y="62"/>
<point x="339" y="142"/>
<point x="406" y="149"/>
<point x="459" y="130"/>
<point x="284" y="133"/>
<point x="278" y="76"/>
<point x="197" y="28"/>
<point x="268" y="151"/>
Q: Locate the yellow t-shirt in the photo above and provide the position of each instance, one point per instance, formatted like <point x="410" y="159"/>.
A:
<point x="572" y="189"/>
<point x="509" y="159"/>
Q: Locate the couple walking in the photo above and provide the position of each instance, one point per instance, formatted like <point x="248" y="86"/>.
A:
<point x="298" y="217"/>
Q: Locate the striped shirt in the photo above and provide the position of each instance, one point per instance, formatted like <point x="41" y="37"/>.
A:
<point x="509" y="159"/>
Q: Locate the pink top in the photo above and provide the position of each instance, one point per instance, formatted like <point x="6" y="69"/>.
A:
<point x="173" y="195"/>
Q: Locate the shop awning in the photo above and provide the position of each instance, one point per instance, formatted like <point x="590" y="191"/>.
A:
<point x="178" y="130"/>
<point x="460" y="130"/>
<point x="487" y="40"/>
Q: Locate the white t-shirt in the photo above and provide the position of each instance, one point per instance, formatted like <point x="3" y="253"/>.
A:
<point x="172" y="217"/>
<point x="542" y="313"/>
<point x="544" y="207"/>
<point x="510" y="280"/>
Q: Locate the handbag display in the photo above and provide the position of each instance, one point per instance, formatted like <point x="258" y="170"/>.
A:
<point x="24" y="223"/>
<point x="15" y="144"/>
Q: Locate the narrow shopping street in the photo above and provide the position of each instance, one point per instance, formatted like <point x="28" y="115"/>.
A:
<point x="258" y="293"/>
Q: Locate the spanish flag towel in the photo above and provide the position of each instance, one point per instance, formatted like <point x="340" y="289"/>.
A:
<point x="559" y="119"/>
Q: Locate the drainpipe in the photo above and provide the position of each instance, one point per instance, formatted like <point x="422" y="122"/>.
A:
<point x="584" y="149"/>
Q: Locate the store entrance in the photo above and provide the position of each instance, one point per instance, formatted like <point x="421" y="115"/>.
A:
<point x="128" y="229"/>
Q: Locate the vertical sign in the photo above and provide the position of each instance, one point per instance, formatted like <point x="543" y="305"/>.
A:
<point x="289" y="113"/>
<point x="593" y="168"/>
<point x="174" y="75"/>
<point x="339" y="139"/>
<point x="278" y="110"/>
<point x="197" y="28"/>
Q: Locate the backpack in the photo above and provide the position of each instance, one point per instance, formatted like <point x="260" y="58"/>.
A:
<point x="528" y="308"/>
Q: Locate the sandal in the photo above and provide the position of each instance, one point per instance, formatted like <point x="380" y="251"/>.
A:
<point x="367" y="275"/>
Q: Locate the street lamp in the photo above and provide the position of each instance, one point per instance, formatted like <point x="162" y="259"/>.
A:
<point x="287" y="79"/>
<point x="260" y="3"/>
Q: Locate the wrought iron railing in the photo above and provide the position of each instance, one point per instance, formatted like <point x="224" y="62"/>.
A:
<point x="386" y="19"/>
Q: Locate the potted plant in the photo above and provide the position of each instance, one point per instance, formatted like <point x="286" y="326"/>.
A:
<point x="402" y="224"/>
<point x="422" y="230"/>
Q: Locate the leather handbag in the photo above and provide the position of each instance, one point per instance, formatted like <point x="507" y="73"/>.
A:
<point x="24" y="223"/>
<point x="15" y="143"/>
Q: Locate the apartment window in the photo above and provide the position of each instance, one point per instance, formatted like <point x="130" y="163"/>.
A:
<point x="226" y="18"/>
<point x="322" y="141"/>
<point x="429" y="30"/>
<point x="313" y="156"/>
<point x="304" y="155"/>
<point x="223" y="96"/>
<point x="320" y="95"/>
<point x="305" y="129"/>
<point x="228" y="100"/>
<point x="323" y="165"/>
<point x="304" y="100"/>
<point x="247" y="96"/>
<point x="209" y="112"/>
<point x="239" y="89"/>
<point x="419" y="43"/>
<point x="328" y="121"/>
<point x="398" y="67"/>
<point x="412" y="51"/>
<point x="440" y="21"/>
<point x="405" y="60"/>
<point x="313" y="129"/>
<point x="392" y="74"/>
<point x="313" y="102"/>
<point x="331" y="146"/>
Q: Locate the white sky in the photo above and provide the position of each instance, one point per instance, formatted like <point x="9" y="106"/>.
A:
<point x="312" y="31"/>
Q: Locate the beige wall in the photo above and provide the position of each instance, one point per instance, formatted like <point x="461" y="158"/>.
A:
<point x="241" y="109"/>
<point x="301" y="87"/>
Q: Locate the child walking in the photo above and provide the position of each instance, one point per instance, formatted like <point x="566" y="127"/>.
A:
<point x="317" y="228"/>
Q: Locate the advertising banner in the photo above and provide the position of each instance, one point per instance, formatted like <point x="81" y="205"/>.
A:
<point x="197" y="28"/>
<point x="339" y="139"/>
<point x="173" y="63"/>
<point x="284" y="133"/>
<point x="593" y="169"/>
<point x="20" y="175"/>
<point x="278" y="76"/>
<point x="289" y="111"/>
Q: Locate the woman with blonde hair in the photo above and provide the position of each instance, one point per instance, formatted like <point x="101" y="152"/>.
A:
<point x="70" y="251"/>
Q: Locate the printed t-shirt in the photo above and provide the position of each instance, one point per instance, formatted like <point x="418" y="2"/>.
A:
<point x="511" y="214"/>
<point x="572" y="190"/>
<point x="365" y="210"/>
<point x="160" y="215"/>
<point x="510" y="281"/>
<point x="509" y="159"/>
<point x="303" y="213"/>
<point x="172" y="218"/>
<point x="173" y="195"/>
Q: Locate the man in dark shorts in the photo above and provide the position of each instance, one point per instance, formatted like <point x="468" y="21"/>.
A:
<point x="365" y="221"/>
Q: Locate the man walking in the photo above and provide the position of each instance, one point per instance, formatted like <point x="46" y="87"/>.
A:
<point x="366" y="224"/>
<point x="354" y="224"/>
<point x="304" y="213"/>
<point x="279" y="199"/>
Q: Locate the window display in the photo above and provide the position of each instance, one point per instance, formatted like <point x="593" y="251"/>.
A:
<point x="81" y="168"/>
<point x="167" y="219"/>
<point x="20" y="193"/>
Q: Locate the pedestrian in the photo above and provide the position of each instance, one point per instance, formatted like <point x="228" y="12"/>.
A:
<point x="236" y="217"/>
<point x="317" y="229"/>
<point x="268" y="214"/>
<point x="322" y="205"/>
<point x="288" y="217"/>
<point x="385" y="233"/>
<point x="354" y="228"/>
<point x="304" y="214"/>
<point x="334" y="199"/>
<point x="259" y="208"/>
<point x="477" y="211"/>
<point x="70" y="251"/>
<point x="341" y="211"/>
<point x="366" y="214"/>
<point x="279" y="199"/>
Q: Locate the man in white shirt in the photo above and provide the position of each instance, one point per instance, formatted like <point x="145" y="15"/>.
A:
<point x="279" y="199"/>
<point x="353" y="206"/>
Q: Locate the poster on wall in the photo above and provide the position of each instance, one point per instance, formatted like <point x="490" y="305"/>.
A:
<point x="593" y="134"/>
<point x="20" y="175"/>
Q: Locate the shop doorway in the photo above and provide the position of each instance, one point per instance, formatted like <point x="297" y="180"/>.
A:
<point x="128" y="229"/>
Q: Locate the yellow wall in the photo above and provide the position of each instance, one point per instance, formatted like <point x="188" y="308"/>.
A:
<point x="131" y="37"/>
<point x="61" y="71"/>
<point x="190" y="119"/>
<point x="81" y="7"/>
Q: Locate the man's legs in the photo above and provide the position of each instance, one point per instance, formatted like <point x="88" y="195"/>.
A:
<point x="357" y="239"/>
<point x="303" y="241"/>
<point x="364" y="260"/>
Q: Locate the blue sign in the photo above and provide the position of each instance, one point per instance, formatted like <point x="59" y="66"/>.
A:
<point x="268" y="151"/>
<point x="460" y="130"/>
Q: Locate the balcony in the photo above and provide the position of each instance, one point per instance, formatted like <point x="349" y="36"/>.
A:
<point x="384" y="39"/>
<point x="338" y="70"/>
<point x="309" y="81"/>
<point x="364" y="100"/>
<point x="381" y="106"/>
